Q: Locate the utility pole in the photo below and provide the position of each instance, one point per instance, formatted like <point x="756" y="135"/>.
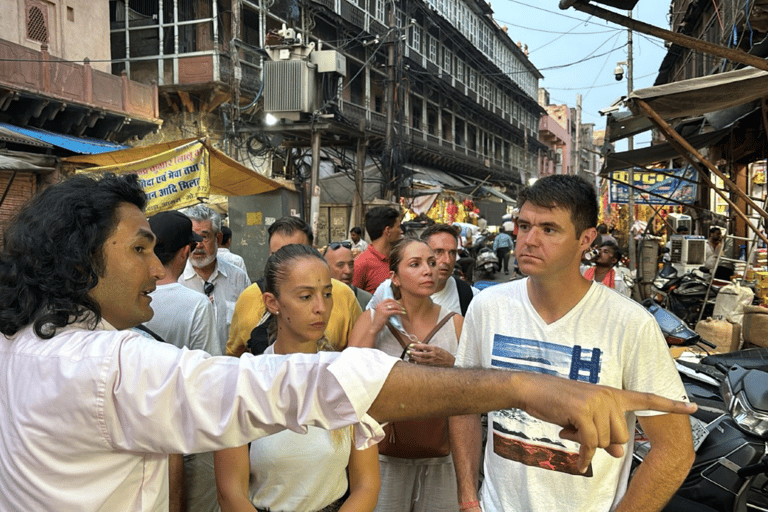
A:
<point x="630" y="147"/>
<point x="237" y="70"/>
<point x="389" y="170"/>
<point x="577" y="142"/>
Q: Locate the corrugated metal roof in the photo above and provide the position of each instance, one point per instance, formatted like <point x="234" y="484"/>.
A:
<point x="17" y="138"/>
<point x="80" y="145"/>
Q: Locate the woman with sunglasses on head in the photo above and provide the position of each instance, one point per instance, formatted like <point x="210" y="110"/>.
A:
<point x="417" y="472"/>
<point x="288" y="471"/>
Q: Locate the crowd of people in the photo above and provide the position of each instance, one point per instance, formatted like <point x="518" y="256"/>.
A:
<point x="141" y="369"/>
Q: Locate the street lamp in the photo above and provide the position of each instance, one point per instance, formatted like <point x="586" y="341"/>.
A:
<point x="270" y="120"/>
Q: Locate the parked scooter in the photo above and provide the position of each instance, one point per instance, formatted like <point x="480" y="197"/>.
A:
<point x="674" y="329"/>
<point x="486" y="263"/>
<point x="730" y="432"/>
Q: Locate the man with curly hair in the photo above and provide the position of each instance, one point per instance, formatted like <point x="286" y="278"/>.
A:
<point x="91" y="409"/>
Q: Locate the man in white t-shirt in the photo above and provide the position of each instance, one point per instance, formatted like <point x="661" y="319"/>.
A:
<point x="546" y="324"/>
<point x="184" y="318"/>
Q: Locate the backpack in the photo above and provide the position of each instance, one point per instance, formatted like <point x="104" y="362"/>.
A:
<point x="465" y="295"/>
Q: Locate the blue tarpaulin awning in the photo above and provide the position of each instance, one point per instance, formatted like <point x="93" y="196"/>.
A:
<point x="80" y="145"/>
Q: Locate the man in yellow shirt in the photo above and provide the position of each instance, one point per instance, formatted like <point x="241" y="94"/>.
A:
<point x="249" y="322"/>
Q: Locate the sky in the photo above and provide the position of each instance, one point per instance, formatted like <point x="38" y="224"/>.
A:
<point x="577" y="53"/>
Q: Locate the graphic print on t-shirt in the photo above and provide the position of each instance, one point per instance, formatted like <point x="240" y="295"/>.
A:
<point x="523" y="438"/>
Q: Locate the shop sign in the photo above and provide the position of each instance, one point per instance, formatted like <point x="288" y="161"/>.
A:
<point x="662" y="186"/>
<point x="171" y="180"/>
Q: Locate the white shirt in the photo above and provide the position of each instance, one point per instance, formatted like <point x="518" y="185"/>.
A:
<point x="232" y="258"/>
<point x="527" y="466"/>
<point x="299" y="472"/>
<point x="88" y="417"/>
<point x="184" y="318"/>
<point x="229" y="282"/>
<point x="360" y="246"/>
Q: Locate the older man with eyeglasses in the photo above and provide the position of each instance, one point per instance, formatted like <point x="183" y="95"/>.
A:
<point x="206" y="273"/>
<point x="342" y="264"/>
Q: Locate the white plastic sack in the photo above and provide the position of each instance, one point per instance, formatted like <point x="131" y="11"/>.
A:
<point x="730" y="302"/>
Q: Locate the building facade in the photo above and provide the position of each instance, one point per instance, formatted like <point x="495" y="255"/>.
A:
<point x="463" y="93"/>
<point x="56" y="88"/>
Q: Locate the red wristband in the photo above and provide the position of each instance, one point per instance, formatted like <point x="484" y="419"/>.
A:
<point x="469" y="505"/>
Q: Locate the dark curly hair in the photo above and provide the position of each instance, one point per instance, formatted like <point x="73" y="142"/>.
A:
<point x="53" y="252"/>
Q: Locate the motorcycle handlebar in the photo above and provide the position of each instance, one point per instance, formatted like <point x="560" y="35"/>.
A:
<point x="754" y="469"/>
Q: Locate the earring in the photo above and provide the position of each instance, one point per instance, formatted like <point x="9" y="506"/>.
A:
<point x="277" y="312"/>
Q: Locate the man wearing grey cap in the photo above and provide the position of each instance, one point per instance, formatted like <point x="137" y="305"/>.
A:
<point x="184" y="318"/>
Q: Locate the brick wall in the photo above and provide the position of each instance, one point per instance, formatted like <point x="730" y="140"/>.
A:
<point x="23" y="187"/>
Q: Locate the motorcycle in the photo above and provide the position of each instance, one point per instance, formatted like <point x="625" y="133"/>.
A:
<point x="486" y="262"/>
<point x="684" y="295"/>
<point x="730" y="432"/>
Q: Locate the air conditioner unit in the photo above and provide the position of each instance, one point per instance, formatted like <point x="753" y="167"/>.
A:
<point x="687" y="252"/>
<point x="289" y="88"/>
<point x="678" y="219"/>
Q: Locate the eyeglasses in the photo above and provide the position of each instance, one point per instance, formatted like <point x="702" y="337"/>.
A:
<point x="335" y="245"/>
<point x="208" y="288"/>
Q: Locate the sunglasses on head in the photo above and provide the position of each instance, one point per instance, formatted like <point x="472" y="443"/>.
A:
<point x="208" y="288"/>
<point x="335" y="245"/>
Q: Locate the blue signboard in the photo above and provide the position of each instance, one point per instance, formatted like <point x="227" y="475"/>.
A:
<point x="662" y="185"/>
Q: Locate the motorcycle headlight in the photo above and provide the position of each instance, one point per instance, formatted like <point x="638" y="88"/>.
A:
<point x="743" y="414"/>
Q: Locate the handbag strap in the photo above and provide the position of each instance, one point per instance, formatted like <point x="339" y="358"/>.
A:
<point x="399" y="336"/>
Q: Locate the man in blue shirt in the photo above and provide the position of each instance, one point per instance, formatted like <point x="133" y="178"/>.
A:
<point x="502" y="245"/>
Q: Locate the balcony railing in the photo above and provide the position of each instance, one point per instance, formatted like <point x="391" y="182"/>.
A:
<point x="40" y="73"/>
<point x="417" y="139"/>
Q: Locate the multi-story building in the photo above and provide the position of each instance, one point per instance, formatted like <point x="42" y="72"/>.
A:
<point x="463" y="93"/>
<point x="56" y="88"/>
<point x="555" y="133"/>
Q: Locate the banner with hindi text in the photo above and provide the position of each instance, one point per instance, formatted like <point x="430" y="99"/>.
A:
<point x="172" y="179"/>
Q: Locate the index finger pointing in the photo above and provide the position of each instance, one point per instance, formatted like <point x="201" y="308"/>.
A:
<point x="635" y="401"/>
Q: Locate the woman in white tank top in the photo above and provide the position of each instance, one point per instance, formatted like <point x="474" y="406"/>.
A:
<point x="288" y="471"/>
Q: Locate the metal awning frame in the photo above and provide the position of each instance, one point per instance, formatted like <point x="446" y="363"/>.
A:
<point x="702" y="164"/>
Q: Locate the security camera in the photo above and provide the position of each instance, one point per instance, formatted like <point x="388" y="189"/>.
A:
<point x="618" y="73"/>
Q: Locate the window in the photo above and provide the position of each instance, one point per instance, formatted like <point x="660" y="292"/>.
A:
<point x="433" y="49"/>
<point x="416" y="38"/>
<point x="447" y="57"/>
<point x="37" y="22"/>
<point x="459" y="65"/>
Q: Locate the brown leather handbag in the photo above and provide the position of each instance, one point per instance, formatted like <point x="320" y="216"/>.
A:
<point x="416" y="439"/>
